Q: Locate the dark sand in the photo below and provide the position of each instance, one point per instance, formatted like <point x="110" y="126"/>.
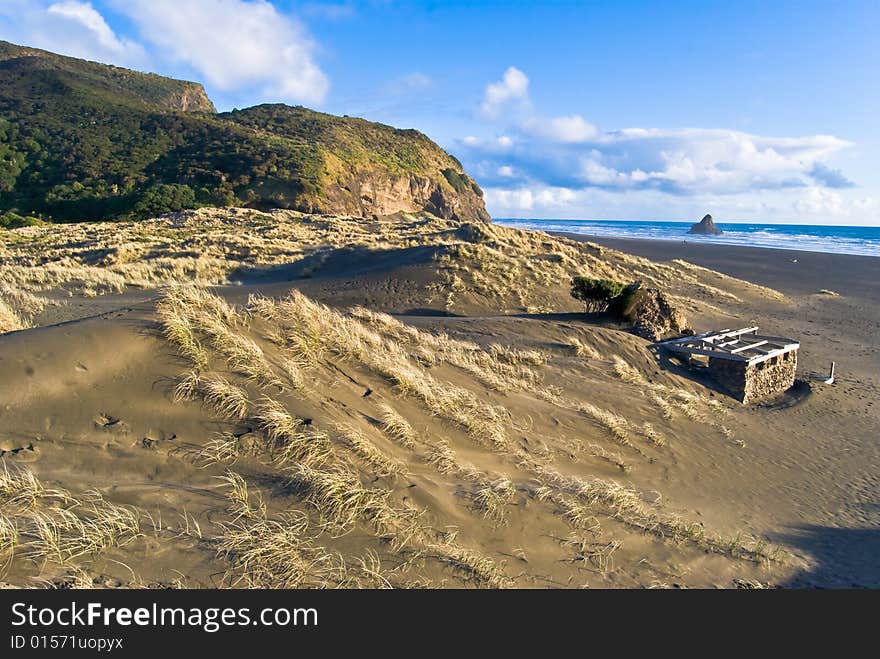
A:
<point x="792" y="272"/>
<point x="802" y="471"/>
<point x="812" y="471"/>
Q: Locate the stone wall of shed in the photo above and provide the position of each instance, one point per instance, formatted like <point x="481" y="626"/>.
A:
<point x="750" y="383"/>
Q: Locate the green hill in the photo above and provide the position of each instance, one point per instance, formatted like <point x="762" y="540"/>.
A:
<point x="87" y="141"/>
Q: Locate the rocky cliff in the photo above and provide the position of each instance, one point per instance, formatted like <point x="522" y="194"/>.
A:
<point x="86" y="141"/>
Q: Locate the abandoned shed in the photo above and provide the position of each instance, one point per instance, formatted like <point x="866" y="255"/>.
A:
<point x="747" y="365"/>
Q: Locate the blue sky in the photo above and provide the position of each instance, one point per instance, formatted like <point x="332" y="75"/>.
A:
<point x="753" y="111"/>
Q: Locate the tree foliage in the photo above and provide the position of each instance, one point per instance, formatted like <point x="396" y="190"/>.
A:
<point x="85" y="141"/>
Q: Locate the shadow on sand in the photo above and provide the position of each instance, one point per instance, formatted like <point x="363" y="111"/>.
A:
<point x="844" y="557"/>
<point x="345" y="262"/>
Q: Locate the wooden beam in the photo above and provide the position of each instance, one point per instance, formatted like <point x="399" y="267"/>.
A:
<point x="748" y="347"/>
<point x="721" y="354"/>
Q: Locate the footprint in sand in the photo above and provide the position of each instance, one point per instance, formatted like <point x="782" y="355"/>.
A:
<point x="155" y="438"/>
<point x="111" y="423"/>
<point x="18" y="450"/>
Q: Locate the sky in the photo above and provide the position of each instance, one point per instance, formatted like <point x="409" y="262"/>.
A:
<point x="756" y="111"/>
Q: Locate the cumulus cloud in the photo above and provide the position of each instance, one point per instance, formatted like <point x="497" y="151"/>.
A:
<point x="235" y="45"/>
<point x="539" y="153"/>
<point x="832" y="178"/>
<point x="567" y="130"/>
<point x="566" y="166"/>
<point x="795" y="205"/>
<point x="69" y="27"/>
<point x="512" y="89"/>
<point x="679" y="162"/>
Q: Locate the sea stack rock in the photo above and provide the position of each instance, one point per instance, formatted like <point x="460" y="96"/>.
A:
<point x="705" y="227"/>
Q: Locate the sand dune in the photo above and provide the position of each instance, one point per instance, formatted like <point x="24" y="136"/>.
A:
<point x="274" y="426"/>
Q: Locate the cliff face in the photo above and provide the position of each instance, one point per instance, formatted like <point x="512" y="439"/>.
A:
<point x="92" y="142"/>
<point x="41" y="68"/>
<point x="357" y="167"/>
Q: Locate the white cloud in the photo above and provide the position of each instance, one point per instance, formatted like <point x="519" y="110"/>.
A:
<point x="68" y="27"/>
<point x="84" y="14"/>
<point x="568" y="130"/>
<point x="566" y="166"/>
<point x="570" y="152"/>
<point x="236" y="45"/>
<point x="513" y="88"/>
<point x="795" y="206"/>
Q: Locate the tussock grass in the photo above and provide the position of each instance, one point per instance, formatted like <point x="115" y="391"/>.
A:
<point x="609" y="456"/>
<point x="359" y="444"/>
<point x="650" y="433"/>
<point x="8" y="535"/>
<point x="272" y="553"/>
<point x="582" y="349"/>
<point x="187" y="386"/>
<point x="19" y="488"/>
<point x="491" y="499"/>
<point x="599" y="554"/>
<point x="290" y="440"/>
<point x="626" y="372"/>
<point x="313" y="330"/>
<point x="44" y="524"/>
<point x="397" y="427"/>
<point x="443" y="458"/>
<point x="226" y="399"/>
<point x="479" y="568"/>
<point x="340" y="498"/>
<point x="616" y="425"/>
<point x="10" y="321"/>
<point x="625" y="505"/>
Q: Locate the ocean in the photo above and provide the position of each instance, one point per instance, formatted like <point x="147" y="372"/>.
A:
<point x="806" y="237"/>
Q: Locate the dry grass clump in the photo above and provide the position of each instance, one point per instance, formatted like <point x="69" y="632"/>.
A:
<point x="290" y="440"/>
<point x="492" y="498"/>
<point x="191" y="317"/>
<point x="582" y="349"/>
<point x="340" y="498"/>
<point x="500" y="368"/>
<point x="626" y="372"/>
<point x="226" y="399"/>
<point x="443" y="458"/>
<point x="614" y="458"/>
<point x="477" y="567"/>
<point x="359" y="444"/>
<point x="599" y="554"/>
<point x="311" y="330"/>
<point x="397" y="427"/>
<point x="8" y="534"/>
<point x="272" y="553"/>
<point x="43" y="524"/>
<point x="10" y="321"/>
<point x="615" y="424"/>
<point x="18" y="308"/>
<point x="650" y="433"/>
<point x="625" y="505"/>
<point x="179" y="331"/>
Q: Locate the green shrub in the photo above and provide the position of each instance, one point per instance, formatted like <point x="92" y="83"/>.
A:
<point x="165" y="198"/>
<point x="10" y="220"/>
<point x="596" y="294"/>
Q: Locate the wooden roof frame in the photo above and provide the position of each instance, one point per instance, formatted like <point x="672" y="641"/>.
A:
<point x="742" y="345"/>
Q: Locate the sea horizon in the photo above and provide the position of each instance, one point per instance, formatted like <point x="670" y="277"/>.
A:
<point x="856" y="240"/>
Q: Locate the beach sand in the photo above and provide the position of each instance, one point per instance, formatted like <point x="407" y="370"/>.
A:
<point x="541" y="395"/>
<point x="815" y="473"/>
